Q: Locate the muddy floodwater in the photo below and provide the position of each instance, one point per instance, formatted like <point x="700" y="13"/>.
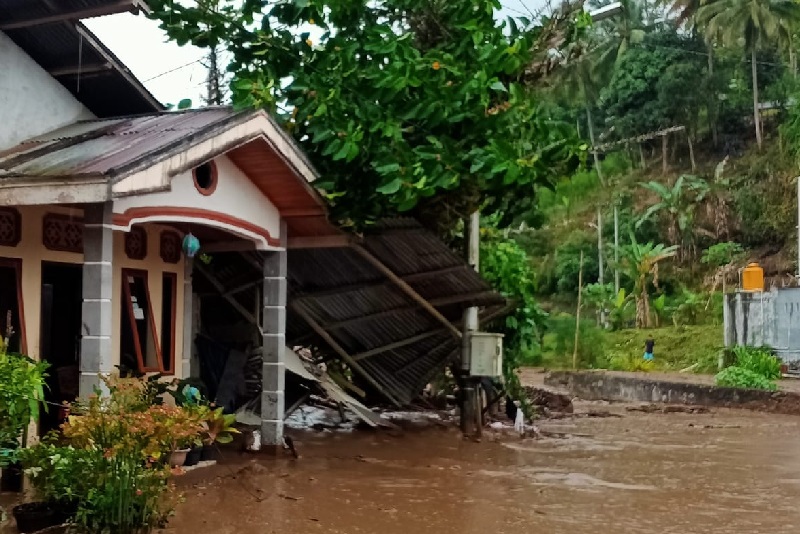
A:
<point x="722" y="472"/>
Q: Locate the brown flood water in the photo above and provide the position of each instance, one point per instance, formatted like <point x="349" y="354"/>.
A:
<point x="724" y="472"/>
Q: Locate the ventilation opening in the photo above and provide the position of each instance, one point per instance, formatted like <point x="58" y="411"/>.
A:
<point x="205" y="178"/>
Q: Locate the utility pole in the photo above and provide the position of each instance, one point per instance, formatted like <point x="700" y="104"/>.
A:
<point x="213" y="93"/>
<point x="798" y="226"/>
<point x="616" y="247"/>
<point x="471" y="416"/>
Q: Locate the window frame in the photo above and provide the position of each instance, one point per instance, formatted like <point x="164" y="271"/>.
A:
<point x="16" y="264"/>
<point x="172" y="320"/>
<point x="214" y="177"/>
<point x="137" y="343"/>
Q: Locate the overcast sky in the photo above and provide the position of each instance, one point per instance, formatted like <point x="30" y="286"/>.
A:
<point x="173" y="72"/>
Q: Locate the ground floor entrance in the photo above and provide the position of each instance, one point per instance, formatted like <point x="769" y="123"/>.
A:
<point x="60" y="335"/>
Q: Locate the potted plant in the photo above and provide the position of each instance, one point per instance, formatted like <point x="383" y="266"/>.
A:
<point x="219" y="429"/>
<point x="21" y="394"/>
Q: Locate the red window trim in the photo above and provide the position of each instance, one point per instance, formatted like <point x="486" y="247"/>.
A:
<point x="126" y="293"/>
<point x="16" y="264"/>
<point x="173" y="319"/>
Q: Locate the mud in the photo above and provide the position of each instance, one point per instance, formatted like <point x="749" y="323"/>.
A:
<point x="718" y="472"/>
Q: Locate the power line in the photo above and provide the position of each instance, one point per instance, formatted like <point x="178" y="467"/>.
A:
<point x="173" y="70"/>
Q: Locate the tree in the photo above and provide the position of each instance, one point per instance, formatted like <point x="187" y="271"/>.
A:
<point x="677" y="204"/>
<point x="758" y="22"/>
<point x="641" y="261"/>
<point x="420" y="107"/>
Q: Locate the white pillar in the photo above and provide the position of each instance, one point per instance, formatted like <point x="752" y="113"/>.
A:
<point x="188" y="320"/>
<point x="98" y="253"/>
<point x="273" y="378"/>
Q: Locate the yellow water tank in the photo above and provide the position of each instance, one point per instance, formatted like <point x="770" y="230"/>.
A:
<point x="753" y="278"/>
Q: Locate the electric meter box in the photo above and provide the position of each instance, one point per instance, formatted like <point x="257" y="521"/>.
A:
<point x="486" y="354"/>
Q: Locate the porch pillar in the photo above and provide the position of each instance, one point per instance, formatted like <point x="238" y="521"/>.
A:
<point x="274" y="344"/>
<point x="188" y="320"/>
<point x="98" y="252"/>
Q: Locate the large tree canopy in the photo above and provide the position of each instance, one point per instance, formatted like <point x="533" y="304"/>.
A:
<point x="410" y="106"/>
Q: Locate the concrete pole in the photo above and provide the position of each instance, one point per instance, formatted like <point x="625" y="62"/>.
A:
<point x="798" y="226"/>
<point x="616" y="249"/>
<point x="470" y="411"/>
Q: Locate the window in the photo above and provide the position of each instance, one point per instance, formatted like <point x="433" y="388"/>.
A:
<point x="205" y="178"/>
<point x="139" y="348"/>
<point x="11" y="309"/>
<point x="169" y="297"/>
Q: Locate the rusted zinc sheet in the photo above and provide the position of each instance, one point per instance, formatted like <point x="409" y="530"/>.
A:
<point x="101" y="147"/>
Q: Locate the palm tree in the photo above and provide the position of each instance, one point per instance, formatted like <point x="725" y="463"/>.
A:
<point x="758" y="22"/>
<point x="641" y="261"/>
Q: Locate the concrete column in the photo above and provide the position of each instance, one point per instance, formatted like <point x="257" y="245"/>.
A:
<point x="98" y="252"/>
<point x="188" y="321"/>
<point x="274" y="344"/>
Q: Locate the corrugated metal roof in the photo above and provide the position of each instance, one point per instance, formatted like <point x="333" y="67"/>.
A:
<point x="75" y="56"/>
<point x="103" y="146"/>
<point x="357" y="306"/>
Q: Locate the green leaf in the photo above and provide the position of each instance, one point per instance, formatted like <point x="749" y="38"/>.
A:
<point x="186" y="103"/>
<point x="391" y="188"/>
<point x="388" y="168"/>
<point x="499" y="86"/>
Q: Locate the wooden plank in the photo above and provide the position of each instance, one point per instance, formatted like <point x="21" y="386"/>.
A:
<point x="418" y="277"/>
<point x="398" y="344"/>
<point x="328" y="241"/>
<point x="81" y="70"/>
<point x="407" y="289"/>
<point x="341" y="352"/>
<point x="462" y="297"/>
<point x="110" y="8"/>
<point x="198" y="266"/>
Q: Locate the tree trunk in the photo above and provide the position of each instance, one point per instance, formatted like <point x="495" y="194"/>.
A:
<point x="641" y="157"/>
<point x="712" y="97"/>
<point x="756" y="114"/>
<point x="664" y="158"/>
<point x="594" y="152"/>
<point x="691" y="151"/>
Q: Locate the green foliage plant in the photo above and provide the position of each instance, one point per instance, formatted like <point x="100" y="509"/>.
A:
<point x="760" y="360"/>
<point x="739" y="377"/>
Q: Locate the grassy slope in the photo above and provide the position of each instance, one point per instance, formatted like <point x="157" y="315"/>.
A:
<point x="676" y="348"/>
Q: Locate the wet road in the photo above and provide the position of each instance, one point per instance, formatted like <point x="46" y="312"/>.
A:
<point x="724" y="472"/>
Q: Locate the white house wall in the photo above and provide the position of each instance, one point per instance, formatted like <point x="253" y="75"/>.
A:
<point x="31" y="101"/>
<point x="235" y="197"/>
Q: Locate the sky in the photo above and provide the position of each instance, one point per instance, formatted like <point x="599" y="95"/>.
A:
<point x="173" y="72"/>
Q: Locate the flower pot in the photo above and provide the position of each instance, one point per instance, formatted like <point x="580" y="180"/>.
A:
<point x="178" y="457"/>
<point x="209" y="453"/>
<point x="36" y="516"/>
<point x="11" y="478"/>
<point x="193" y="457"/>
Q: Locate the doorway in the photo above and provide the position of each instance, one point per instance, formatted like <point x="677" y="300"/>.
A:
<point x="59" y="343"/>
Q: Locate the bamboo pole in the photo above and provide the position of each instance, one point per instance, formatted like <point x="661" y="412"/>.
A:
<point x="578" y="316"/>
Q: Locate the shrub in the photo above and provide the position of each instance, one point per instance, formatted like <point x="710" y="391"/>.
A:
<point x="738" y="377"/>
<point x="759" y="360"/>
<point x="22" y="390"/>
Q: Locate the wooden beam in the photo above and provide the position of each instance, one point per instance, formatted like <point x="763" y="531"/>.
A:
<point x="341" y="352"/>
<point x="120" y="6"/>
<point x="221" y="290"/>
<point x="407" y="289"/>
<point x="327" y="241"/>
<point x="462" y="297"/>
<point x="83" y="70"/>
<point x="417" y="277"/>
<point x="369" y="317"/>
<point x="398" y="344"/>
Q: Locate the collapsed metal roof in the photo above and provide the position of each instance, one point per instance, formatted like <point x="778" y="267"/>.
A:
<point x="391" y="340"/>
<point x="51" y="33"/>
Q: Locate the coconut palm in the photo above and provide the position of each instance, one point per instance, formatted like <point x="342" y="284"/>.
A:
<point x="641" y="261"/>
<point x="757" y="22"/>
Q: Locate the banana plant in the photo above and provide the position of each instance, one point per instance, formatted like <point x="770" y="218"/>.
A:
<point x="641" y="262"/>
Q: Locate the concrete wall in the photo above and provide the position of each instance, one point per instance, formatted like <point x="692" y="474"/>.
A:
<point x="31" y="101"/>
<point x="236" y="205"/>
<point x="769" y="318"/>
<point x="32" y="253"/>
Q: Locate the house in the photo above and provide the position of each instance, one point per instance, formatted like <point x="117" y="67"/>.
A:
<point x="94" y="207"/>
<point x="104" y="197"/>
